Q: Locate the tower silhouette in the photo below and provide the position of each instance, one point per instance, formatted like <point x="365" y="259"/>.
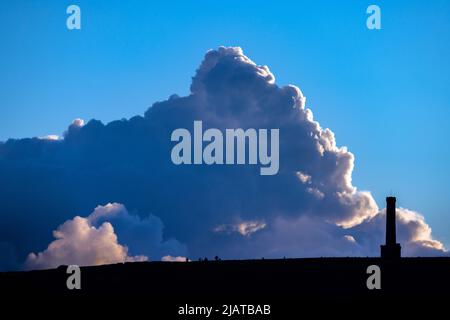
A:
<point x="392" y="249"/>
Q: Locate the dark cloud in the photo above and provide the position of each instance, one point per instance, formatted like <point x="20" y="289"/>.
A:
<point x="309" y="208"/>
<point x="8" y="255"/>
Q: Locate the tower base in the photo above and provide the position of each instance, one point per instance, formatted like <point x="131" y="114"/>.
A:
<point x="391" y="251"/>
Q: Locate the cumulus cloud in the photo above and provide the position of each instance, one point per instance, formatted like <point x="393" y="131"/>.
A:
<point x="413" y="233"/>
<point x="93" y="240"/>
<point x="349" y="238"/>
<point x="77" y="242"/>
<point x="143" y="235"/>
<point x="77" y="123"/>
<point x="308" y="236"/>
<point x="310" y="208"/>
<point x="245" y="228"/>
<point x="53" y="137"/>
<point x="173" y="259"/>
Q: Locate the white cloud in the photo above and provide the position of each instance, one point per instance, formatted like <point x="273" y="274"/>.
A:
<point x="349" y="238"/>
<point x="79" y="243"/>
<point x="244" y="228"/>
<point x="303" y="177"/>
<point x="94" y="241"/>
<point x="413" y="233"/>
<point x="51" y="137"/>
<point x="173" y="259"/>
<point x="78" y="122"/>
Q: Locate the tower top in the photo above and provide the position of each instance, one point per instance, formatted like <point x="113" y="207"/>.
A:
<point x="391" y="199"/>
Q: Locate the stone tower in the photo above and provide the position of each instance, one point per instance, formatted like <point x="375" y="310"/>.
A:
<point x="392" y="249"/>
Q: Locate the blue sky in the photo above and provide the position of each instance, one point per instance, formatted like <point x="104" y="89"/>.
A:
<point x="385" y="93"/>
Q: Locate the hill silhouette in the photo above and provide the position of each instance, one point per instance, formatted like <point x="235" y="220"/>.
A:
<point x="265" y="278"/>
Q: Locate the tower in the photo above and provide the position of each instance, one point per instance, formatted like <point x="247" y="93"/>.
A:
<point x="392" y="249"/>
